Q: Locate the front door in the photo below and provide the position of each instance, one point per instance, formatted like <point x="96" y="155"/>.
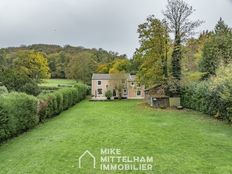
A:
<point x="99" y="92"/>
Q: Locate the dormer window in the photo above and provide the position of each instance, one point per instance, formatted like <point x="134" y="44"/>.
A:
<point x="99" y="82"/>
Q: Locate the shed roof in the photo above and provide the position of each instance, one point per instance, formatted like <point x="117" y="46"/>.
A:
<point x="153" y="87"/>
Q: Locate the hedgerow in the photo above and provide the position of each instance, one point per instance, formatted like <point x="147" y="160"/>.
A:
<point x="212" y="97"/>
<point x="52" y="104"/>
<point x="20" y="112"/>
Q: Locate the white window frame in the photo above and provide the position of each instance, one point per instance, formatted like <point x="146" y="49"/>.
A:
<point x="100" y="83"/>
<point x="137" y="93"/>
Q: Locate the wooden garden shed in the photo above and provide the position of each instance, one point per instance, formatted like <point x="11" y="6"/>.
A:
<point x="155" y="97"/>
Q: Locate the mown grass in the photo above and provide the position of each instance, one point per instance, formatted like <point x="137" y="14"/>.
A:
<point x="56" y="82"/>
<point x="180" y="141"/>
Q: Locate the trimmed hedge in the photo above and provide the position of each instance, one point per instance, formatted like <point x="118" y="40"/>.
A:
<point x="18" y="113"/>
<point x="48" y="88"/>
<point x="209" y="99"/>
<point x="52" y="104"/>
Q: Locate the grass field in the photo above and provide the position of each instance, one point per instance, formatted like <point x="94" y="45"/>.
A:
<point x="56" y="82"/>
<point x="181" y="142"/>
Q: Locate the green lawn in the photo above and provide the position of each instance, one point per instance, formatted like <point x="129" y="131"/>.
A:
<point x="56" y="82"/>
<point x="181" y="142"/>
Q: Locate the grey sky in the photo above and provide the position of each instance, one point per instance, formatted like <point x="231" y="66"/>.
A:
<point x="108" y="24"/>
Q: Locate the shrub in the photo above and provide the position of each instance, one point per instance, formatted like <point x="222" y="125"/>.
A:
<point x="31" y="88"/>
<point x="14" y="80"/>
<point x="212" y="97"/>
<point x="3" y="90"/>
<point x="108" y="94"/>
<point x="18" y="112"/>
<point x="20" y="82"/>
<point x="49" y="103"/>
<point x="59" y="99"/>
<point x="83" y="90"/>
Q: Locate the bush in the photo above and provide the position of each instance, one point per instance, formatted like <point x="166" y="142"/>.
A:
<point x="31" y="88"/>
<point x="18" y="113"/>
<point x="83" y="90"/>
<point x="108" y="94"/>
<point x="3" y="90"/>
<point x="20" y="82"/>
<point x="212" y="97"/>
<point x="14" y="80"/>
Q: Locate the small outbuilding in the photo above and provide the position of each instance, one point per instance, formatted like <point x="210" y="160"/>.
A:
<point x="155" y="96"/>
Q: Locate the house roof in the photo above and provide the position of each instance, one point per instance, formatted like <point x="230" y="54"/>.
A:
<point x="110" y="77"/>
<point x="132" y="77"/>
<point x="101" y="77"/>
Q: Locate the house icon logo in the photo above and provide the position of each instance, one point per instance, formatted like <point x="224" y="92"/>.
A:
<point x="87" y="154"/>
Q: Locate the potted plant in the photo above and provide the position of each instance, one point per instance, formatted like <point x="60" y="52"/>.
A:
<point x="108" y="94"/>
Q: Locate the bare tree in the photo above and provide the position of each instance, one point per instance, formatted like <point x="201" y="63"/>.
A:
<point x="177" y="15"/>
<point x="118" y="82"/>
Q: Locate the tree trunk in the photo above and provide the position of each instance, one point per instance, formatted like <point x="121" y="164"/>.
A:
<point x="176" y="59"/>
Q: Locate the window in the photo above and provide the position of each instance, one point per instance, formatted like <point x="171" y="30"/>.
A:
<point x="99" y="82"/>
<point x="138" y="93"/>
<point x="99" y="91"/>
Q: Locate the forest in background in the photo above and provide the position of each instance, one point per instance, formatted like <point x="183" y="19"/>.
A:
<point x="66" y="62"/>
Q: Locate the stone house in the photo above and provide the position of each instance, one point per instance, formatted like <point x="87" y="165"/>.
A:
<point x="130" y="89"/>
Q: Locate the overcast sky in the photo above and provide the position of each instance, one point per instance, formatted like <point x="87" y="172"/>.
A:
<point x="108" y="24"/>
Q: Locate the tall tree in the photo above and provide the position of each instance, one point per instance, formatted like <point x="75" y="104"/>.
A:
<point x="119" y="82"/>
<point x="120" y="65"/>
<point x="103" y="68"/>
<point x="154" y="43"/>
<point x="2" y="60"/>
<point x="32" y="63"/>
<point x="177" y="14"/>
<point x="81" y="67"/>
